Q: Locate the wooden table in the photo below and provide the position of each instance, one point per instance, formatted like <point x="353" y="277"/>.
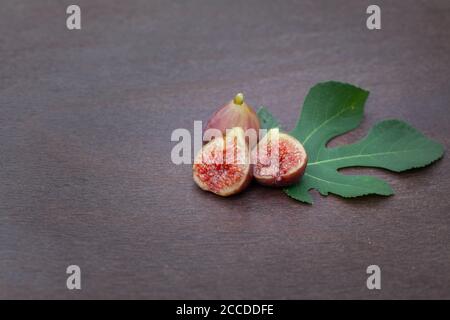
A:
<point x="86" y="176"/>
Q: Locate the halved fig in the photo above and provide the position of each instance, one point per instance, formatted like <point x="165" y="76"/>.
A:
<point x="279" y="159"/>
<point x="223" y="165"/>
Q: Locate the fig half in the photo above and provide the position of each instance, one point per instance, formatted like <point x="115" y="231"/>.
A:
<point x="236" y="113"/>
<point x="222" y="166"/>
<point x="279" y="159"/>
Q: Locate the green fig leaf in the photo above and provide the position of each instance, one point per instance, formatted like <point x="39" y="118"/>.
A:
<point x="266" y="120"/>
<point x="331" y="109"/>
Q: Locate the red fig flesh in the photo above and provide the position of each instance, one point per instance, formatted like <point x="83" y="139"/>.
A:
<point x="236" y="113"/>
<point x="223" y="165"/>
<point x="278" y="166"/>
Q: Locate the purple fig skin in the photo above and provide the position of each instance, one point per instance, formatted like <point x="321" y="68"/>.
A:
<point x="235" y="113"/>
<point x="289" y="178"/>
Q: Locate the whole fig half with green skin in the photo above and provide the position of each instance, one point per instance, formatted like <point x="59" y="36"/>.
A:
<point x="236" y="113"/>
<point x="279" y="159"/>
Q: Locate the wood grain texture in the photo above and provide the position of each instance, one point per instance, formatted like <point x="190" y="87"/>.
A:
<point x="85" y="171"/>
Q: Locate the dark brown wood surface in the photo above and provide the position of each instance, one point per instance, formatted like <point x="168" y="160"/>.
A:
<point x="85" y="172"/>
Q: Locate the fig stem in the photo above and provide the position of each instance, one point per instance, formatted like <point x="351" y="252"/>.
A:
<point x="239" y="98"/>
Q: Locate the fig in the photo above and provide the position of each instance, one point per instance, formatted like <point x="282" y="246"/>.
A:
<point x="279" y="159"/>
<point x="236" y="113"/>
<point x="222" y="166"/>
